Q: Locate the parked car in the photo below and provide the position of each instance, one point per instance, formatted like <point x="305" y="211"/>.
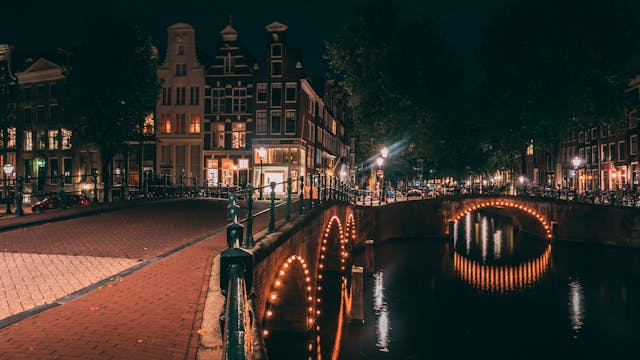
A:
<point x="414" y="193"/>
<point x="52" y="201"/>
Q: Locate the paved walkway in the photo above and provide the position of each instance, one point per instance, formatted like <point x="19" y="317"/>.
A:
<point x="154" y="312"/>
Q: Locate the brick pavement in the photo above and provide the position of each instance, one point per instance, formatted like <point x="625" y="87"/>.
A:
<point x="153" y="313"/>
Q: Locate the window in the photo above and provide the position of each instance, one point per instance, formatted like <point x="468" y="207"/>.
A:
<point x="42" y="138"/>
<point x="276" y="50"/>
<point x="167" y="125"/>
<point x="239" y="100"/>
<point x="41" y="92"/>
<point x="180" y="123"/>
<point x="149" y="125"/>
<point x="621" y="153"/>
<point x="276" y="94"/>
<point x="165" y="154"/>
<point x="12" y="137"/>
<point x="40" y="117"/>
<point x="605" y="153"/>
<point x="262" y="93"/>
<point x="181" y="69"/>
<point x="243" y="163"/>
<point x="634" y="144"/>
<point x="28" y="141"/>
<point x="581" y="137"/>
<point x="594" y="152"/>
<point x="276" y="68"/>
<point x="261" y="122"/>
<point x="68" y="167"/>
<point x="194" y="98"/>
<point x="333" y="127"/>
<point x="194" y="124"/>
<point x="613" y="153"/>
<point x="180" y="49"/>
<point x="28" y="117"/>
<point x="290" y="122"/>
<point x="53" y="139"/>
<point x="181" y="96"/>
<point x="54" y="170"/>
<point x="290" y="93"/>
<point x="166" y="96"/>
<point x="228" y="63"/>
<point x="239" y="135"/>
<point x="66" y="139"/>
<point x="218" y="101"/>
<point x="218" y="135"/>
<point x="276" y="120"/>
<point x="54" y="113"/>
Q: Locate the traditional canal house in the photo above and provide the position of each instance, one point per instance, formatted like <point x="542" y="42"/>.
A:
<point x="45" y="148"/>
<point x="228" y="113"/>
<point x="179" y="111"/>
<point x="8" y="115"/>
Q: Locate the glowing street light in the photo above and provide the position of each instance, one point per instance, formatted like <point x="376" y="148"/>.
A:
<point x="384" y="152"/>
<point x="262" y="152"/>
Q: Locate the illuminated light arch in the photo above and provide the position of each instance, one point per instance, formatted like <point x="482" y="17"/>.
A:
<point x="546" y="224"/>
<point x="279" y="282"/>
<point x="350" y="230"/>
<point x="321" y="269"/>
<point x="502" y="279"/>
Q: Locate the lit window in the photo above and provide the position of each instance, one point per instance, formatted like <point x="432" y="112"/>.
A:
<point x="53" y="139"/>
<point x="12" y="137"/>
<point x="239" y="135"/>
<point x="66" y="139"/>
<point x="149" y="124"/>
<point x="28" y="141"/>
<point x="218" y="135"/>
<point x="194" y="124"/>
<point x="167" y="125"/>
<point x="243" y="163"/>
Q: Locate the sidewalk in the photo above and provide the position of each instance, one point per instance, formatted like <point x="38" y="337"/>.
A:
<point x="151" y="311"/>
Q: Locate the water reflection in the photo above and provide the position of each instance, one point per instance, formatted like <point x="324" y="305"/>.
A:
<point x="382" y="313"/>
<point x="501" y="279"/>
<point x="497" y="255"/>
<point x="576" y="305"/>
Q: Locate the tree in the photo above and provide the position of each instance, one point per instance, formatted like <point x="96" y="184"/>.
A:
<point x="553" y="66"/>
<point x="405" y="86"/>
<point x="111" y="88"/>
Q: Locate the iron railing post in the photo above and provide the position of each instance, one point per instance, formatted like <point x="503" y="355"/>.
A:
<point x="301" y="208"/>
<point x="288" y="215"/>
<point x="61" y="201"/>
<point x="248" y="240"/>
<point x="19" y="189"/>
<point x="272" y="220"/>
<point x="95" y="186"/>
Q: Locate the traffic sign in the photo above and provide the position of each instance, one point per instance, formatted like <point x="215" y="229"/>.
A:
<point x="380" y="173"/>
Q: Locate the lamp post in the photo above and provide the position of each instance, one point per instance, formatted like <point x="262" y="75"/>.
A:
<point x="233" y="180"/>
<point x="8" y="170"/>
<point x="19" y="189"/>
<point x="380" y="162"/>
<point x="576" y="163"/>
<point x="384" y="152"/>
<point x="262" y="152"/>
<point x="94" y="175"/>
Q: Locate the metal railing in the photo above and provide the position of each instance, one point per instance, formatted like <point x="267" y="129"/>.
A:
<point x="241" y="336"/>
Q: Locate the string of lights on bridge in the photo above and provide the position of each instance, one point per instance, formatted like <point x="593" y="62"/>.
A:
<point x="313" y="307"/>
<point x="506" y="203"/>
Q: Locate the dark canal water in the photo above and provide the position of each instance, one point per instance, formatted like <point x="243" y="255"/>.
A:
<point x="497" y="293"/>
<point x="493" y="292"/>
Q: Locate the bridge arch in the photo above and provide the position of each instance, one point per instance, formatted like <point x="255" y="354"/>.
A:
<point x="350" y="231"/>
<point x="502" y="278"/>
<point x="544" y="221"/>
<point x="291" y="300"/>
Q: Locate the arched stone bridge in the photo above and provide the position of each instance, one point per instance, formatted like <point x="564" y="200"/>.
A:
<point x="290" y="265"/>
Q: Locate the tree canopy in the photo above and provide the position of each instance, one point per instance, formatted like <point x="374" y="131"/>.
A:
<point x="405" y="85"/>
<point x="553" y="66"/>
<point x="111" y="88"/>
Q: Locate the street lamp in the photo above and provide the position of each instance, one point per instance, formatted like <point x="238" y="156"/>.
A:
<point x="384" y="152"/>
<point x="8" y="170"/>
<point x="576" y="163"/>
<point x="262" y="152"/>
<point x="380" y="162"/>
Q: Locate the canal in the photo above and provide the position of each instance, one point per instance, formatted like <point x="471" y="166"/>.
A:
<point x="494" y="291"/>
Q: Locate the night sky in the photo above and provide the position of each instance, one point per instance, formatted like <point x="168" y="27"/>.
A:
<point x="42" y="25"/>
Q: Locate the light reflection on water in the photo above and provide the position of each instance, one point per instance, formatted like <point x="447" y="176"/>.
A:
<point x="576" y="305"/>
<point x="382" y="312"/>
